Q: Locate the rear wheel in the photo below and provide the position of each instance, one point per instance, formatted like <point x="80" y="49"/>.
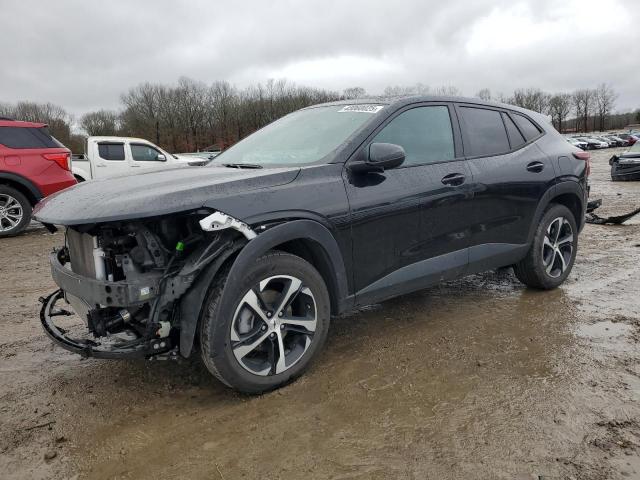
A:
<point x="266" y="333"/>
<point x="15" y="211"/>
<point x="553" y="252"/>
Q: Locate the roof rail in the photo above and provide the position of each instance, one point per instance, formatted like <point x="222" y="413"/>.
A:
<point x="6" y="118"/>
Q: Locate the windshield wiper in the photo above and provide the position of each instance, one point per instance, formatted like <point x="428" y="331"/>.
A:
<point x="242" y="165"/>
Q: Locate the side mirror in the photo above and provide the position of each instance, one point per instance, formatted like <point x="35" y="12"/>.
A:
<point x="380" y="157"/>
<point x="161" y="158"/>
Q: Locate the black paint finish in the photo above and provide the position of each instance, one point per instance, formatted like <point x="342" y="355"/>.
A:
<point x="384" y="232"/>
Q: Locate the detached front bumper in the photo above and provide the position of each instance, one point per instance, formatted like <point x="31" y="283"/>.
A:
<point x="97" y="295"/>
<point x="139" y="348"/>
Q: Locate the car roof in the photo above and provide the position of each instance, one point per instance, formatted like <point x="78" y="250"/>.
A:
<point x="402" y="100"/>
<point x="20" y="123"/>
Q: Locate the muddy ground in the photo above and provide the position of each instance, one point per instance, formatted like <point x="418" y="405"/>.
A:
<point x="477" y="378"/>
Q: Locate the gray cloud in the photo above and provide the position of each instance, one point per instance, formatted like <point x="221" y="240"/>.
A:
<point x="83" y="55"/>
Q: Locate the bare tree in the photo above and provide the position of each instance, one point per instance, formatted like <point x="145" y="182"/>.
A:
<point x="100" y="122"/>
<point x="447" y="90"/>
<point x="559" y="109"/>
<point x="484" y="94"/>
<point x="582" y="104"/>
<point x="531" y="99"/>
<point x="400" y="90"/>
<point x="605" y="98"/>
<point x="354" y="92"/>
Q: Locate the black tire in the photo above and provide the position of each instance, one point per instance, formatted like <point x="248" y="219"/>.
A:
<point x="537" y="270"/>
<point x="223" y="310"/>
<point x="25" y="208"/>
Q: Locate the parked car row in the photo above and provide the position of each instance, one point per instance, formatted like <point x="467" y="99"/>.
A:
<point x="33" y="165"/>
<point x="608" y="140"/>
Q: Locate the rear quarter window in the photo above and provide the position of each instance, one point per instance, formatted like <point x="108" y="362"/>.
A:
<point x="515" y="136"/>
<point x="27" y="137"/>
<point x="527" y="127"/>
<point x="111" y="151"/>
<point x="484" y="132"/>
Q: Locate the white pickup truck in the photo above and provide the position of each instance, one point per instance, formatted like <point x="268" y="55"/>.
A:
<point x="111" y="156"/>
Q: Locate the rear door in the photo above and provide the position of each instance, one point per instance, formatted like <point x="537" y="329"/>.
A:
<point x="408" y="223"/>
<point x="510" y="176"/>
<point x="109" y="159"/>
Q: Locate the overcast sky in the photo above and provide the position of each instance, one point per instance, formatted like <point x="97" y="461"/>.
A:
<point x="84" y="54"/>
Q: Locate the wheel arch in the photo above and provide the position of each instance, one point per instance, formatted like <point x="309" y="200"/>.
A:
<point x="306" y="238"/>
<point x="23" y="185"/>
<point x="569" y="194"/>
<point x="309" y="240"/>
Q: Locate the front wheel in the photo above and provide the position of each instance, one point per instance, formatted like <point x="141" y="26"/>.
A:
<point x="553" y="251"/>
<point x="265" y="333"/>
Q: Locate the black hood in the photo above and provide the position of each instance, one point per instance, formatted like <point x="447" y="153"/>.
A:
<point x="154" y="193"/>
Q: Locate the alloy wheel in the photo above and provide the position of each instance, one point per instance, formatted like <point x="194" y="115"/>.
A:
<point x="10" y="212"/>
<point x="273" y="325"/>
<point x="557" y="247"/>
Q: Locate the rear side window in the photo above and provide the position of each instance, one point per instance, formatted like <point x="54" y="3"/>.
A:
<point x="515" y="137"/>
<point x="424" y="132"/>
<point x="485" y="132"/>
<point x="111" y="151"/>
<point x="27" y="137"/>
<point x="527" y="127"/>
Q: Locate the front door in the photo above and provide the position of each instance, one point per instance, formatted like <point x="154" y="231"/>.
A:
<point x="409" y="224"/>
<point x="145" y="156"/>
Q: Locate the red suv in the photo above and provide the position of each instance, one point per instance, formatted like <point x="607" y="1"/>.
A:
<point x="33" y="164"/>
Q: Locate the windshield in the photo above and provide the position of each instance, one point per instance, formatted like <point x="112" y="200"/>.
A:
<point x="635" y="148"/>
<point x="300" y="138"/>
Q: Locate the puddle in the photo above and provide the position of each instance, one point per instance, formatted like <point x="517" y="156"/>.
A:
<point x="604" y="331"/>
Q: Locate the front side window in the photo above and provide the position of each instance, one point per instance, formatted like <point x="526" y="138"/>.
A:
<point x="111" y="151"/>
<point x="145" y="153"/>
<point x="485" y="132"/>
<point x="425" y="133"/>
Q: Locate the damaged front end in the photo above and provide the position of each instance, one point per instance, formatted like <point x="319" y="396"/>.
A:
<point x="129" y="281"/>
<point x="625" y="167"/>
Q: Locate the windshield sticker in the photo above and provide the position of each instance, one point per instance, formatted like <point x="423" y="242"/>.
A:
<point x="361" y="108"/>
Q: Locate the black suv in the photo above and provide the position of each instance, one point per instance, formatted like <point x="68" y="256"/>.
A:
<point x="331" y="207"/>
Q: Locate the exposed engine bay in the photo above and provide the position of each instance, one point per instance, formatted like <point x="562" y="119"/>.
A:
<point x="125" y="281"/>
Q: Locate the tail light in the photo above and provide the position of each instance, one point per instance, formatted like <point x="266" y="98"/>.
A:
<point x="61" y="159"/>
<point x="586" y="157"/>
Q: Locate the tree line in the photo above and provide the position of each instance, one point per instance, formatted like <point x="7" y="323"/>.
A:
<point x="191" y="115"/>
<point x="582" y="110"/>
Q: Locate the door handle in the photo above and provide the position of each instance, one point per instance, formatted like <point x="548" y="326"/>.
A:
<point x="535" y="167"/>
<point x="134" y="166"/>
<point x="453" y="179"/>
<point x="101" y="165"/>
